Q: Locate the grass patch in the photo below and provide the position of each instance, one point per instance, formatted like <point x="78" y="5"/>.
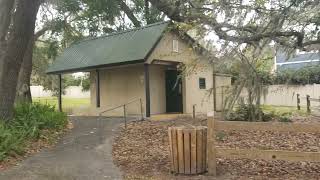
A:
<point x="66" y="102"/>
<point x="285" y="110"/>
<point x="31" y="123"/>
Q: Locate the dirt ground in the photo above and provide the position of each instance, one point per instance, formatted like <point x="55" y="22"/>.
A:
<point x="141" y="151"/>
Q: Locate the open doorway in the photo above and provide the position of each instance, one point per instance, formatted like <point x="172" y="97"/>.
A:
<point x="173" y="92"/>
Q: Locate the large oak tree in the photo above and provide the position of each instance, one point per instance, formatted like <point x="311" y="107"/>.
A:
<point x="17" y="24"/>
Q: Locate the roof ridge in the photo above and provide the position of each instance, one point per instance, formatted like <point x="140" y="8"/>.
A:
<point x="121" y="32"/>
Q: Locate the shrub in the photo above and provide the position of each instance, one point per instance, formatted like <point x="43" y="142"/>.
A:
<point x="30" y="120"/>
<point x="243" y="113"/>
<point x="284" y="119"/>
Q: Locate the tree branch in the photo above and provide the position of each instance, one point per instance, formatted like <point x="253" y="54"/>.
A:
<point x="129" y="13"/>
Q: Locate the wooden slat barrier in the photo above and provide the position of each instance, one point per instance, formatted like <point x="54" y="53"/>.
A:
<point x="266" y="126"/>
<point x="214" y="126"/>
<point x="268" y="154"/>
<point x="188" y="150"/>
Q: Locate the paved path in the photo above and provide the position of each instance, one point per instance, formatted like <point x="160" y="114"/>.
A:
<point x="82" y="154"/>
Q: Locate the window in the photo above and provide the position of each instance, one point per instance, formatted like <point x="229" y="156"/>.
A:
<point x="202" y="83"/>
<point x="175" y="45"/>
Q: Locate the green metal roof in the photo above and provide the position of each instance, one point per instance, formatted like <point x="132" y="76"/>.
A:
<point x="125" y="47"/>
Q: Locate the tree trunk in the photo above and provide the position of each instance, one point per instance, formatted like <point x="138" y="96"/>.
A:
<point x="23" y="88"/>
<point x="22" y="31"/>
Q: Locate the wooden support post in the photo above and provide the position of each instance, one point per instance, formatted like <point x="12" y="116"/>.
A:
<point x="308" y="104"/>
<point x="97" y="88"/>
<point x="60" y="93"/>
<point x="298" y="101"/>
<point x="147" y="88"/>
<point x="212" y="164"/>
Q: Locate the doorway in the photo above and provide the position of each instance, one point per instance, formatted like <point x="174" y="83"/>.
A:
<point x="173" y="92"/>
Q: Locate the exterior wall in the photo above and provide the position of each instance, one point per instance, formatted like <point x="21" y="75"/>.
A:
<point x="118" y="86"/>
<point x="192" y="94"/>
<point x="286" y="95"/>
<point x="163" y="50"/>
<point x="157" y="89"/>
<point x="122" y="84"/>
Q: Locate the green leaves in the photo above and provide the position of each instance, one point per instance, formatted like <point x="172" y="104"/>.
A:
<point x="28" y="124"/>
<point x="305" y="75"/>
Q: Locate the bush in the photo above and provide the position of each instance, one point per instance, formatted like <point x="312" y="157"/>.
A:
<point x="284" y="119"/>
<point x="29" y="123"/>
<point x="243" y="113"/>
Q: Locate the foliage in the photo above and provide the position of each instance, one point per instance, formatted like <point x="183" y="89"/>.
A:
<point x="302" y="76"/>
<point x="85" y="84"/>
<point x="290" y="23"/>
<point x="221" y="135"/>
<point x="243" y="113"/>
<point x="29" y="123"/>
<point x="250" y="71"/>
<point x="284" y="119"/>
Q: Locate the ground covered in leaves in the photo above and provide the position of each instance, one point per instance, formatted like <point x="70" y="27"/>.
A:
<point x="47" y="140"/>
<point x="142" y="152"/>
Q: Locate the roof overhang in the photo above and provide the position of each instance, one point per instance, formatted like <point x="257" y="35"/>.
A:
<point x="90" y="68"/>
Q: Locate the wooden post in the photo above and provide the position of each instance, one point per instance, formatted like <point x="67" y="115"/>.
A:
<point x="147" y="88"/>
<point x="308" y="104"/>
<point x="125" y="116"/>
<point x="97" y="88"/>
<point x="194" y="111"/>
<point x="298" y="101"/>
<point x="141" y="108"/>
<point x="212" y="164"/>
<point x="60" y="93"/>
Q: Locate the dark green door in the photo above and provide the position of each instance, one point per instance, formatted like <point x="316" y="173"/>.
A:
<point x="173" y="92"/>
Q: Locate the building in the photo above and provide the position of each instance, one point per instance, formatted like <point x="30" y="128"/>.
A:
<point x="297" y="60"/>
<point x="143" y="63"/>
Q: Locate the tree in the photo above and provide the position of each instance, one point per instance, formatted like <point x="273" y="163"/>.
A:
<point x="291" y="23"/>
<point x="17" y="24"/>
<point x="69" y="24"/>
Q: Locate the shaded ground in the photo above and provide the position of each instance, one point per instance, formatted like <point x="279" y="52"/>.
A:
<point x="142" y="151"/>
<point x="83" y="154"/>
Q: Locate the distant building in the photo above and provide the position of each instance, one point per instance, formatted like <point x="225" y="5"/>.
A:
<point x="295" y="61"/>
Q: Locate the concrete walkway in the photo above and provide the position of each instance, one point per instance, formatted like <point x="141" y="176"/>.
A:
<point x="82" y="154"/>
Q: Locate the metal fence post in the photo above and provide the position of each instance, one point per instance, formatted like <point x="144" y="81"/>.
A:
<point x="308" y="104"/>
<point x="298" y="101"/>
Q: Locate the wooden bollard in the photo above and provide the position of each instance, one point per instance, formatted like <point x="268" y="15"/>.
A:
<point x="298" y="101"/>
<point x="188" y="149"/>
<point x="308" y="104"/>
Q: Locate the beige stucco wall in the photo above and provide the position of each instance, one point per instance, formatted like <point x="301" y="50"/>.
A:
<point x="120" y="85"/>
<point x="157" y="89"/>
<point x="192" y="94"/>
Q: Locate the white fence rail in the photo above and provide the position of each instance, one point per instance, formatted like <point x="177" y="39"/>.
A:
<point x="70" y="92"/>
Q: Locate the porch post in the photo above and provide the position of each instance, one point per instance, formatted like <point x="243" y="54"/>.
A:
<point x="147" y="88"/>
<point x="97" y="88"/>
<point x="60" y="93"/>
